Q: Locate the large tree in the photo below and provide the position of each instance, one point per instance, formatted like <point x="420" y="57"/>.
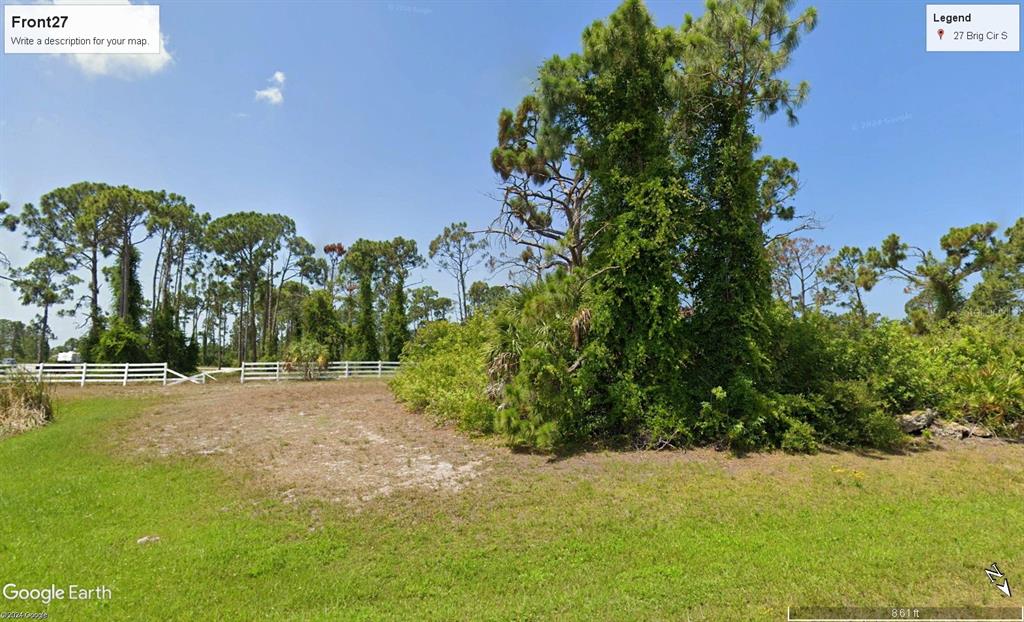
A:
<point x="1001" y="289"/>
<point x="544" y="194"/>
<point x="426" y="305"/>
<point x="457" y="252"/>
<point x="661" y="121"/>
<point x="72" y="221"/>
<point x="395" y="323"/>
<point x="178" y="229"/>
<point x="845" y="279"/>
<point x="298" y="253"/>
<point x="335" y="252"/>
<point x="796" y="275"/>
<point x="378" y="269"/>
<point x="127" y="210"/>
<point x="483" y="297"/>
<point x="244" y="243"/>
<point x="937" y="281"/>
<point x="614" y="99"/>
<point x="45" y="282"/>
<point x="732" y="59"/>
<point x="15" y="340"/>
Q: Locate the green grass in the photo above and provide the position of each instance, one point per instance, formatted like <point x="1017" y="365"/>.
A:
<point x="619" y="539"/>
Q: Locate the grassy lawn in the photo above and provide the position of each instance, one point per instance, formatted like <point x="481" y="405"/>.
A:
<point x="623" y="538"/>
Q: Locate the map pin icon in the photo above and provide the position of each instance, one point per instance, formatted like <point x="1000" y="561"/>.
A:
<point x="941" y="32"/>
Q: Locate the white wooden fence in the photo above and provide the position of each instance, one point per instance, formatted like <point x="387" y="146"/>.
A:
<point x="130" y="373"/>
<point x="279" y="370"/>
<point x="98" y="373"/>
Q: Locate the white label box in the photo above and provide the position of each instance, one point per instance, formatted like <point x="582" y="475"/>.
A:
<point x="972" y="27"/>
<point x="81" y="29"/>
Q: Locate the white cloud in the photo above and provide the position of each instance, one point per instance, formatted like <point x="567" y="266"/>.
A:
<point x="125" y="66"/>
<point x="273" y="94"/>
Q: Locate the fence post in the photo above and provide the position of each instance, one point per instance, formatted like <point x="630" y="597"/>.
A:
<point x="84" y="367"/>
<point x="124" y="382"/>
<point x="39" y="369"/>
<point x="277" y="371"/>
<point x="242" y="377"/>
<point x="380" y="368"/>
<point x="165" y="373"/>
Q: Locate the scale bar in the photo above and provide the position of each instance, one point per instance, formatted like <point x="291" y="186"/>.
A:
<point x="790" y="618"/>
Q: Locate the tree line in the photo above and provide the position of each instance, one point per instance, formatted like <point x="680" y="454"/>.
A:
<point x="240" y="287"/>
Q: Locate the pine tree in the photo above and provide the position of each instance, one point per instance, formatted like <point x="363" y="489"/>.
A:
<point x="396" y="323"/>
<point x="367" y="348"/>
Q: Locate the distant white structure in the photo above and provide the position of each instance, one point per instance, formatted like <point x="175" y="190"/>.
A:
<point x="69" y="357"/>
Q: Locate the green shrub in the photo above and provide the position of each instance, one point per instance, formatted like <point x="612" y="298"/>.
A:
<point x="980" y="376"/>
<point x="809" y="352"/>
<point x="535" y="366"/>
<point x="444" y="373"/>
<point x="308" y="356"/>
<point x="527" y="371"/>
<point x="799" y="439"/>
<point x="882" y="431"/>
<point x="898" y="366"/>
<point x="24" y="403"/>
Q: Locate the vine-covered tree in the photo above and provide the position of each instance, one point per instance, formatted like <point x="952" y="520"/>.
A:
<point x="366" y="346"/>
<point x="613" y="101"/>
<point x="733" y="55"/>
<point x="320" y="322"/>
<point x="395" y="322"/>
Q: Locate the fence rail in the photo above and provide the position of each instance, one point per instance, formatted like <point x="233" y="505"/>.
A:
<point x="92" y="373"/>
<point x="276" y="371"/>
<point x="130" y="373"/>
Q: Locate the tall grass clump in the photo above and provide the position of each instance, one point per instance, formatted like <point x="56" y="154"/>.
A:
<point x="24" y="404"/>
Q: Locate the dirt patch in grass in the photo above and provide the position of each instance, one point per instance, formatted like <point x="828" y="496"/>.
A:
<point x="339" y="440"/>
<point x="349" y="441"/>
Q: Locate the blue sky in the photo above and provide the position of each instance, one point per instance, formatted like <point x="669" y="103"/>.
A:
<point x="388" y="110"/>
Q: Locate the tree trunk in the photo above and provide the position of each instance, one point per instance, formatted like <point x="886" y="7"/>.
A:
<point x="156" y="269"/>
<point x="125" y="270"/>
<point x="94" y="287"/>
<point x="253" y="337"/>
<point x="41" y="344"/>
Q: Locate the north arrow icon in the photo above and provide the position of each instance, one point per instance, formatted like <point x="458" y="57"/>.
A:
<point x="993" y="574"/>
